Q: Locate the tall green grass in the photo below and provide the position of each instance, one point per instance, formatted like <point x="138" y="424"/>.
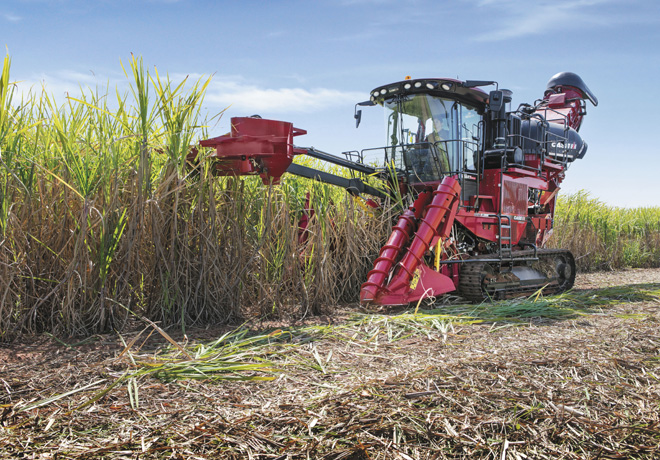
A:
<point x="603" y="237"/>
<point x="100" y="219"/>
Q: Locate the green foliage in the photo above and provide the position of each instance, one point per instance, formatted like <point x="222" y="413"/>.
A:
<point x="606" y="237"/>
<point x="98" y="208"/>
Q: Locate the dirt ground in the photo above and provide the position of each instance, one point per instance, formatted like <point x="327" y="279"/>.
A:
<point x="581" y="386"/>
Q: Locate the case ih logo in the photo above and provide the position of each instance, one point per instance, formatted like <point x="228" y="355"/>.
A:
<point x="561" y="145"/>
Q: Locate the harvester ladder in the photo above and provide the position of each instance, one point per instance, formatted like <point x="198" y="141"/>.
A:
<point x="504" y="235"/>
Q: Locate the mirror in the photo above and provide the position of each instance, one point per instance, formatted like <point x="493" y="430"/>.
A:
<point x="358" y="113"/>
<point x="358" y="118"/>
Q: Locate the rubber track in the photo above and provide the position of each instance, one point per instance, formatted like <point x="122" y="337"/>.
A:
<point x="470" y="283"/>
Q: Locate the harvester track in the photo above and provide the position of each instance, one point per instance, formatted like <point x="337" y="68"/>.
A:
<point x="485" y="279"/>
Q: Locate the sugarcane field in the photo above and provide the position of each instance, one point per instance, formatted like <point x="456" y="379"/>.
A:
<point x="170" y="292"/>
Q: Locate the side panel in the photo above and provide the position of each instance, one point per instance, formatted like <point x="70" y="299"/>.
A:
<point x="514" y="198"/>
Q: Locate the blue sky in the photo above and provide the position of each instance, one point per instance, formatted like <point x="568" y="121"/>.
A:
<point x="309" y="62"/>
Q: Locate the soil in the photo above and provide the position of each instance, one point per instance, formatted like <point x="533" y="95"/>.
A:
<point x="581" y="386"/>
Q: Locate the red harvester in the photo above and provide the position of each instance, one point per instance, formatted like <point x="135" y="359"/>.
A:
<point x="483" y="181"/>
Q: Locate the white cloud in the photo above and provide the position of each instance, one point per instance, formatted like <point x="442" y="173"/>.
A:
<point x="12" y="17"/>
<point x="524" y="17"/>
<point x="276" y="34"/>
<point x="253" y="99"/>
<point x="222" y="92"/>
<point x="243" y="95"/>
<point x="64" y="83"/>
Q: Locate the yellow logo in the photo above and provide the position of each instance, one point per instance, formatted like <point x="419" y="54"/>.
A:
<point x="415" y="279"/>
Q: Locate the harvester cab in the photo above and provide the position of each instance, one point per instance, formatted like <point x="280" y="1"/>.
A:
<point x="434" y="129"/>
<point x="483" y="181"/>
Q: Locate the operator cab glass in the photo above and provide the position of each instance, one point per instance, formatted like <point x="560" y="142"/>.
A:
<point x="431" y="136"/>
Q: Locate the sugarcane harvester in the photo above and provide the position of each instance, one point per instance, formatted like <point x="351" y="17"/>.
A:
<point x="483" y="182"/>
